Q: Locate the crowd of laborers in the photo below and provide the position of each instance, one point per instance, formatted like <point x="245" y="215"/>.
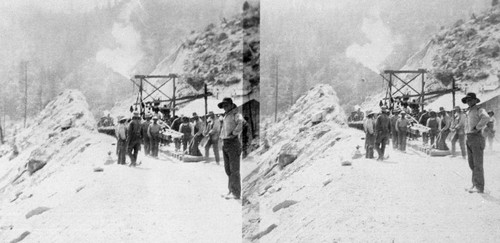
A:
<point x="470" y="127"/>
<point x="230" y="128"/>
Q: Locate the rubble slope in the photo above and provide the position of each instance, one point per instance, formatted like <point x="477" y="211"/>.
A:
<point x="39" y="171"/>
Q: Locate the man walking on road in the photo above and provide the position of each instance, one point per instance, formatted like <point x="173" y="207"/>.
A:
<point x="134" y="138"/>
<point x="232" y="126"/>
<point x="382" y="131"/>
<point x="402" y="128"/>
<point x="477" y="118"/>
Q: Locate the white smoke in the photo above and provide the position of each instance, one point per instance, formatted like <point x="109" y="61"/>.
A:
<point x="125" y="56"/>
<point x="381" y="43"/>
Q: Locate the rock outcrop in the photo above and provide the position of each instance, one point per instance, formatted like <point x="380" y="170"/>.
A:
<point x="304" y="134"/>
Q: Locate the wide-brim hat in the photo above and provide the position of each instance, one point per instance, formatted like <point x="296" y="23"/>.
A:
<point x="470" y="96"/>
<point x="225" y="101"/>
<point x="136" y="114"/>
<point x="121" y="118"/>
<point x="457" y="108"/>
<point x="384" y="109"/>
<point x="155" y="117"/>
<point x="211" y="113"/>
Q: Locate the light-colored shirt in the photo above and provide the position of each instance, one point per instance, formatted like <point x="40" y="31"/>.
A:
<point x="458" y="123"/>
<point x="121" y="131"/>
<point x="476" y="119"/>
<point x="369" y="125"/>
<point x="402" y="124"/>
<point x="232" y="124"/>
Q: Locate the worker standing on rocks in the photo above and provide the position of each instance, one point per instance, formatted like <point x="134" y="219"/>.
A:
<point x="121" y="136"/>
<point x="154" y="136"/>
<point x="134" y="138"/>
<point x="382" y="132"/>
<point x="144" y="133"/>
<point x="394" y="131"/>
<point x="458" y="126"/>
<point x="402" y="128"/>
<point x="368" y="126"/>
<point x="232" y="126"/>
<point x="477" y="118"/>
<point x="212" y="131"/>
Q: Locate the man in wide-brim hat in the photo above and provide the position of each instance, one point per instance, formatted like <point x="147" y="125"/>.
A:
<point x="232" y="127"/>
<point x="382" y="132"/>
<point x="477" y="118"/>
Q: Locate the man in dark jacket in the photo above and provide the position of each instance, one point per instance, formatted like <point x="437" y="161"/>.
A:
<point x="134" y="138"/>
<point x="144" y="133"/>
<point x="382" y="131"/>
<point x="394" y="132"/>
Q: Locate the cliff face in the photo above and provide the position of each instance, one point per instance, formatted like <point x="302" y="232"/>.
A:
<point x="224" y="56"/>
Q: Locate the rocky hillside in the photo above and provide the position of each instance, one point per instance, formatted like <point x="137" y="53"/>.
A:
<point x="36" y="163"/>
<point x="468" y="52"/>
<point x="290" y="146"/>
<point x="225" y="56"/>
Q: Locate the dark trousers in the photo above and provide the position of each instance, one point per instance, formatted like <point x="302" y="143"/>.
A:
<point x="402" y="140"/>
<point x="432" y="137"/>
<point x="121" y="148"/>
<point x="475" y="150"/>
<point x="154" y="144"/>
<point x="395" y="140"/>
<point x="441" y="143"/>
<point x="133" y="150"/>
<point x="231" y="150"/>
<point x="370" y="143"/>
<point x="147" y="146"/>
<point x="380" y="143"/>
<point x="461" y="142"/>
<point x="215" y="145"/>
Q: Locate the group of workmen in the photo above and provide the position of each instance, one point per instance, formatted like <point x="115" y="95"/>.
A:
<point x="132" y="133"/>
<point x="470" y="127"/>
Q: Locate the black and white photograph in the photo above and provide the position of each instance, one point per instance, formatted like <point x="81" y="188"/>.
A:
<point x="126" y="120"/>
<point x="157" y="121"/>
<point x="379" y="123"/>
